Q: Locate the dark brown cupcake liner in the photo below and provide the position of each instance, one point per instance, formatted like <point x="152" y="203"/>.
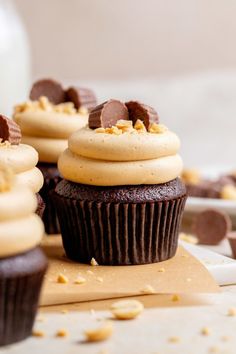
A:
<point x="51" y="179"/>
<point x="20" y="285"/>
<point x="119" y="233"/>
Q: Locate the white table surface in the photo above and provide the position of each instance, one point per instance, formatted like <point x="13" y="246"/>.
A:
<point x="205" y="104"/>
<point x="148" y="334"/>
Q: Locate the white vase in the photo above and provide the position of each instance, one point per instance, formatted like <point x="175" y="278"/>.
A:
<point x="15" y="69"/>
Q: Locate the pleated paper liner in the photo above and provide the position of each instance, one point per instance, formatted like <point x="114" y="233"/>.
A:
<point x="51" y="179"/>
<point x="119" y="233"/>
<point x="21" y="279"/>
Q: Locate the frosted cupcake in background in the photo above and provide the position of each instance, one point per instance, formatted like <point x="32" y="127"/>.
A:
<point x="47" y="120"/>
<point x="121" y="200"/>
<point x="21" y="158"/>
<point x="22" y="263"/>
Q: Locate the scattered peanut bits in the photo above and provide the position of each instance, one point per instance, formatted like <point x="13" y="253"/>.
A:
<point x="205" y="331"/>
<point x="232" y="311"/>
<point x="62" y="279"/>
<point x="228" y="192"/>
<point x="80" y="280"/>
<point x="62" y="333"/>
<point x="148" y="290"/>
<point x="93" y="262"/>
<point x="103" y="332"/>
<point x="37" y="333"/>
<point x="126" y="309"/>
<point x="126" y="126"/>
<point x="6" y="178"/>
<point x="43" y="104"/>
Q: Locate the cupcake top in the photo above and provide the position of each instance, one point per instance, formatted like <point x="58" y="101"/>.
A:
<point x="20" y="228"/>
<point x="51" y="115"/>
<point x="21" y="158"/>
<point x="123" y="144"/>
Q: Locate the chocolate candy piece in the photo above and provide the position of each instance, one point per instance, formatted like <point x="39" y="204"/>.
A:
<point x="9" y="131"/>
<point x="81" y="97"/>
<point x="211" y="226"/>
<point x="143" y="112"/>
<point x="52" y="89"/>
<point x="232" y="241"/>
<point x="107" y="114"/>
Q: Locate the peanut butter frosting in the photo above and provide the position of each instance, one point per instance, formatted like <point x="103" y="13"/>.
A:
<point x="22" y="159"/>
<point x="47" y="126"/>
<point x="122" y="155"/>
<point x="20" y="228"/>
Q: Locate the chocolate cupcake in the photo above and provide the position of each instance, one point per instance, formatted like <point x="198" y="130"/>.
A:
<point x="21" y="158"/>
<point x="22" y="263"/>
<point x="121" y="200"/>
<point x="46" y="121"/>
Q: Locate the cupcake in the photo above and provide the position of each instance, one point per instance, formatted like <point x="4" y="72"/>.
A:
<point x="21" y="158"/>
<point x="46" y="122"/>
<point x="121" y="200"/>
<point x="22" y="263"/>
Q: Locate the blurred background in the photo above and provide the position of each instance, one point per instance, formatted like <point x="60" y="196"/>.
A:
<point x="179" y="56"/>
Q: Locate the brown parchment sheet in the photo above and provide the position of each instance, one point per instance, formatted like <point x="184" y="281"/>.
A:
<point x="182" y="274"/>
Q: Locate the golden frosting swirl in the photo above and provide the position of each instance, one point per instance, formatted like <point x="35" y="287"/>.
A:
<point x="129" y="158"/>
<point x="47" y="127"/>
<point x="22" y="159"/>
<point x="20" y="228"/>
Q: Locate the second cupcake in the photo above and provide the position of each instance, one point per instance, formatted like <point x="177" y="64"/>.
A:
<point x="121" y="200"/>
<point x="46" y="122"/>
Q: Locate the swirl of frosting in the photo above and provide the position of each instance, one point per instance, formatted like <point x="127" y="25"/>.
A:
<point x="22" y="159"/>
<point x="130" y="158"/>
<point x="124" y="147"/>
<point x="20" y="228"/>
<point x="47" y="127"/>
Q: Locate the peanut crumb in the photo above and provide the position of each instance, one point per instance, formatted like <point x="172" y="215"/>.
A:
<point x="100" y="333"/>
<point x="80" y="280"/>
<point x="5" y="144"/>
<point x="62" y="333"/>
<point x="125" y="125"/>
<point x="232" y="311"/>
<point x="157" y="128"/>
<point x="62" y="279"/>
<point x="113" y="130"/>
<point x="100" y="130"/>
<point x="99" y="279"/>
<point x="148" y="290"/>
<point x="83" y="111"/>
<point x="175" y="298"/>
<point x="205" y="331"/>
<point x="90" y="272"/>
<point x="94" y="262"/>
<point x="37" y="333"/>
<point x="228" y="192"/>
<point x="161" y="270"/>
<point x="126" y="309"/>
<point x="174" y="339"/>
<point x="43" y="104"/>
<point x="139" y="126"/>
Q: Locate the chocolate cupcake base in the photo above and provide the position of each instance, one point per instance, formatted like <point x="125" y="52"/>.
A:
<point x="120" y="225"/>
<point x="51" y="178"/>
<point x="21" y="278"/>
